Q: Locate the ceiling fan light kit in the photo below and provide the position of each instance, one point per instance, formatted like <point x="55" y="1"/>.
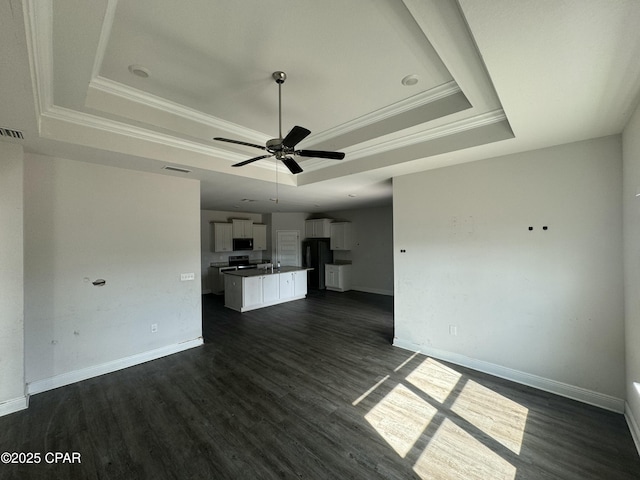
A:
<point x="284" y="148"/>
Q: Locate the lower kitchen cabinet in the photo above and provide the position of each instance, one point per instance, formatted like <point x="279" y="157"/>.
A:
<point x="337" y="277"/>
<point x="293" y="284"/>
<point x="244" y="290"/>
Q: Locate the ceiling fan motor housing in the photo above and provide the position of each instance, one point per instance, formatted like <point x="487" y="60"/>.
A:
<point x="275" y="145"/>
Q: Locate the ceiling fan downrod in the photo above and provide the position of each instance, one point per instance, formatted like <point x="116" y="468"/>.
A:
<point x="279" y="77"/>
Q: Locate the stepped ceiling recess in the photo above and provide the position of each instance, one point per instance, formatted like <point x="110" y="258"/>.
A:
<point x="147" y="84"/>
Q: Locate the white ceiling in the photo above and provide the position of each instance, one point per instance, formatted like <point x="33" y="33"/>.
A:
<point x="495" y="77"/>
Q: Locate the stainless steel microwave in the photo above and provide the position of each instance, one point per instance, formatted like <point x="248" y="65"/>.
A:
<point x="242" y="244"/>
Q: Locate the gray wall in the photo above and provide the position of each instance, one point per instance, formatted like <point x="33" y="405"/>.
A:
<point x="541" y="307"/>
<point x="631" y="202"/>
<point x="372" y="251"/>
<point x="139" y="232"/>
<point x="12" y="394"/>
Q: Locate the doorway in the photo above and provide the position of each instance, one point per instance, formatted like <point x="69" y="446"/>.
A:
<point x="288" y="248"/>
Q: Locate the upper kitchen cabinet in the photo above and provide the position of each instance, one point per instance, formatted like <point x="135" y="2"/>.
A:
<point x="222" y="237"/>
<point x="340" y="236"/>
<point x="242" y="228"/>
<point x="318" y="228"/>
<point x="259" y="237"/>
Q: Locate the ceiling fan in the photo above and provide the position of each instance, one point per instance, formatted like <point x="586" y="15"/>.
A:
<point x="284" y="148"/>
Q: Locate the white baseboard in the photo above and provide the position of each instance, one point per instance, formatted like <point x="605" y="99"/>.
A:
<point x="68" y="378"/>
<point x="633" y="426"/>
<point x="14" y="405"/>
<point x="563" y="389"/>
<point x="379" y="291"/>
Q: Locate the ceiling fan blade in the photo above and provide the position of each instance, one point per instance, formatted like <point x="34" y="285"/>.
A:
<point x="295" y="136"/>
<point x="251" y="160"/>
<point x="320" y="154"/>
<point x="220" y="139"/>
<point x="292" y="165"/>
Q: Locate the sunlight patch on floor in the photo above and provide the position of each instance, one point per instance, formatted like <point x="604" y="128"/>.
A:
<point x="400" y="418"/>
<point x="499" y="417"/>
<point x="434" y="379"/>
<point x="454" y="454"/>
<point x="370" y="391"/>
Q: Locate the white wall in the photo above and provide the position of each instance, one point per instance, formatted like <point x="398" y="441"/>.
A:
<point x="208" y="256"/>
<point x="372" y="251"/>
<point x="12" y="389"/>
<point x="540" y="307"/>
<point x="139" y="232"/>
<point x="631" y="202"/>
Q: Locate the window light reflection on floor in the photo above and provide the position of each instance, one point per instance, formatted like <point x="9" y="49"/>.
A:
<point x="434" y="379"/>
<point x="455" y="454"/>
<point x="502" y="419"/>
<point x="438" y="411"/>
<point x="400" y="418"/>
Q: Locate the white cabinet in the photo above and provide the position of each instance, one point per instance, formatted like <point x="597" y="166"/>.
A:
<point x="243" y="293"/>
<point x="222" y="237"/>
<point x="270" y="288"/>
<point x="337" y="277"/>
<point x="293" y="284"/>
<point x="259" y="237"/>
<point x="249" y="293"/>
<point x="340" y="236"/>
<point x="317" y="228"/>
<point x="242" y="228"/>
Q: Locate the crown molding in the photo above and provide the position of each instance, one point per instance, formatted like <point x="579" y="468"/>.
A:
<point x="111" y="126"/>
<point x="427" y="135"/>
<point x="105" y="33"/>
<point x="38" y="21"/>
<point x="424" y="98"/>
<point x="110" y="87"/>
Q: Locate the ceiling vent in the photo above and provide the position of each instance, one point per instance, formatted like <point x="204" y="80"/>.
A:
<point x="176" y="169"/>
<point x="7" y="132"/>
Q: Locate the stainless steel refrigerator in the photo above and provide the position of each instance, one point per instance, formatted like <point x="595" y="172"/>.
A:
<point x="316" y="253"/>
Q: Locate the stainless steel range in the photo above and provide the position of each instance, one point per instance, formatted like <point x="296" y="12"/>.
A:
<point x="241" y="262"/>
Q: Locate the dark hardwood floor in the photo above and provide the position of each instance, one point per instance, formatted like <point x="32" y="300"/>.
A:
<point x="313" y="389"/>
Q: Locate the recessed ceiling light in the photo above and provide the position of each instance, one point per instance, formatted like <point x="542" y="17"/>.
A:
<point x="410" y="80"/>
<point x="139" y="71"/>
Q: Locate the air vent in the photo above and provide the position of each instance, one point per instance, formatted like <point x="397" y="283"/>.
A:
<point x="7" y="132"/>
<point x="176" y="169"/>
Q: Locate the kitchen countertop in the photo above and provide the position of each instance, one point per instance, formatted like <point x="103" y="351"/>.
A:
<point x="256" y="272"/>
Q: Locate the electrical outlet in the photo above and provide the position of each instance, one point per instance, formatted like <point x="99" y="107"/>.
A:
<point x="453" y="330"/>
<point x="154" y="328"/>
<point x="184" y="277"/>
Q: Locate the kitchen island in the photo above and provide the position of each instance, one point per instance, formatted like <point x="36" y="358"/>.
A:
<point x="249" y="289"/>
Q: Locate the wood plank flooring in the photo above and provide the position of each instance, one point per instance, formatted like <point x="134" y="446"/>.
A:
<point x="313" y="389"/>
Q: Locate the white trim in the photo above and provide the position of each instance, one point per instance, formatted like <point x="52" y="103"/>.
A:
<point x="105" y="33"/>
<point x="429" y="134"/>
<point x="379" y="291"/>
<point x="424" y="98"/>
<point x="110" y="87"/>
<point x="38" y="26"/>
<point x="559" y="388"/>
<point x="68" y="378"/>
<point x="105" y="125"/>
<point x="14" y="405"/>
<point x="633" y="426"/>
